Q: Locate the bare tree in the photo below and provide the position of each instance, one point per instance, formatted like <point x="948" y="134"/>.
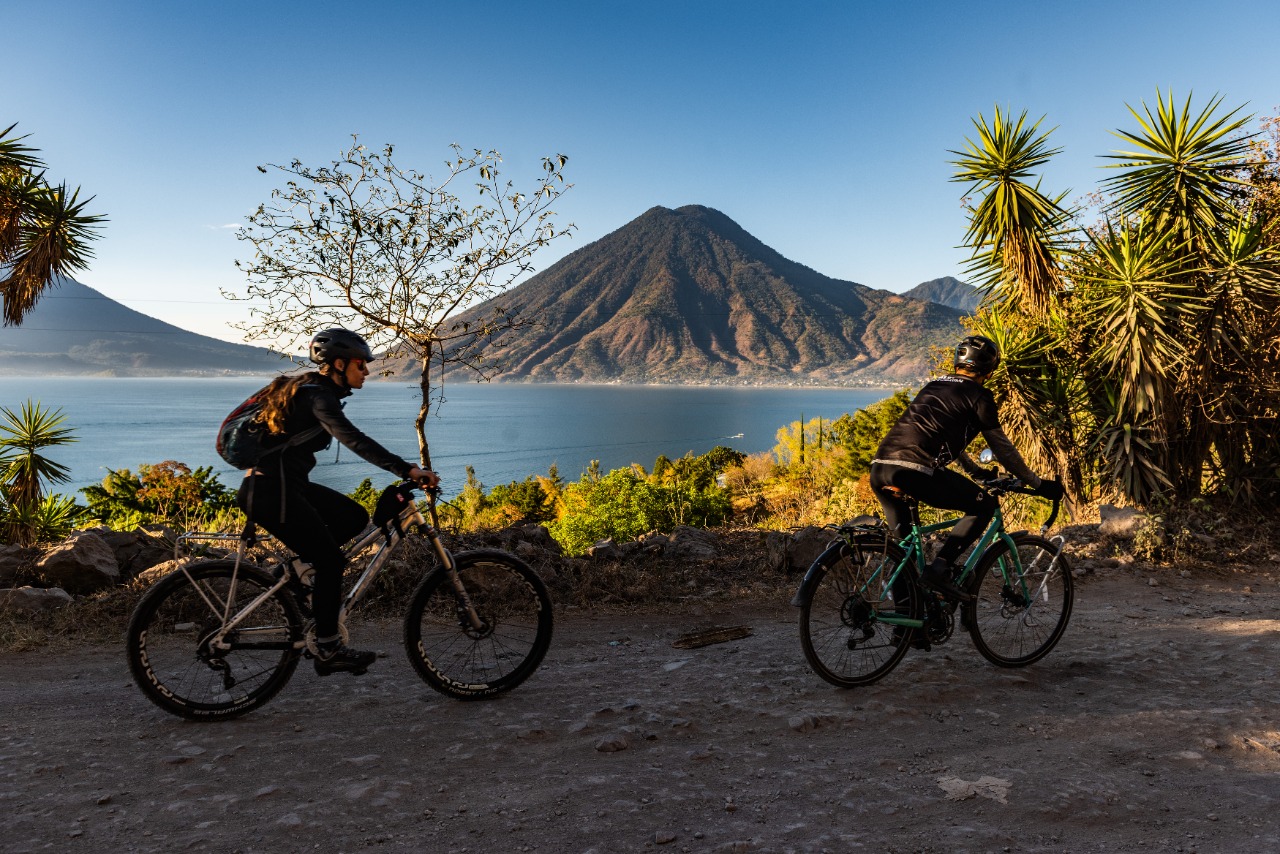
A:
<point x="380" y="249"/>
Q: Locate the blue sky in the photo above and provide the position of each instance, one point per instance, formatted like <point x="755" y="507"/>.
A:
<point x="822" y="128"/>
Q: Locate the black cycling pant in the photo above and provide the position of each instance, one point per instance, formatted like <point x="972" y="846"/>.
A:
<point x="317" y="521"/>
<point x="944" y="488"/>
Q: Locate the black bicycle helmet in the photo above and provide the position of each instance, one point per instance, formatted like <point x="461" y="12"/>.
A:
<point x="338" y="343"/>
<point x="977" y="354"/>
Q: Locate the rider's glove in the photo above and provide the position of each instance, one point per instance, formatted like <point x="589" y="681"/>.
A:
<point x="1050" y="489"/>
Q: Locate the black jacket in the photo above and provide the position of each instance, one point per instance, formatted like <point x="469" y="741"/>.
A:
<point x="941" y="421"/>
<point x="320" y="404"/>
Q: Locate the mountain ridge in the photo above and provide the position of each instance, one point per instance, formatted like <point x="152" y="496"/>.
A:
<point x="75" y="330"/>
<point x="687" y="295"/>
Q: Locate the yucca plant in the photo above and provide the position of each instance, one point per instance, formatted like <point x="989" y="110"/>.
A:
<point x="1015" y="231"/>
<point x="1160" y="354"/>
<point x="24" y="471"/>
<point x="45" y="230"/>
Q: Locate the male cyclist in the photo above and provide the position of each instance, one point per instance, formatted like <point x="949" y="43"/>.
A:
<point x="934" y="431"/>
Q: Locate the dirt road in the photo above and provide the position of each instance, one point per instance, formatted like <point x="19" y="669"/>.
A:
<point x="1153" y="727"/>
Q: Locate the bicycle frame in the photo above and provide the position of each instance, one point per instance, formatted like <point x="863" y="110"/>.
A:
<point x="913" y="552"/>
<point x="386" y="537"/>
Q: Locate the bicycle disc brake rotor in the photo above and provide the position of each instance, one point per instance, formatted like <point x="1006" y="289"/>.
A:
<point x="1013" y="603"/>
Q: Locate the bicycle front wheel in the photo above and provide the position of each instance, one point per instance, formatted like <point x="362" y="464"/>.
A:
<point x="1022" y="601"/>
<point x="184" y="667"/>
<point x="469" y="662"/>
<point x="843" y="639"/>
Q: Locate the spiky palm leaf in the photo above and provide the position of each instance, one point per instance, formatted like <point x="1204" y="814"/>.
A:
<point x="1015" y="232"/>
<point x="44" y="230"/>
<point x="54" y="240"/>
<point x="1130" y="454"/>
<point x="1135" y="310"/>
<point x="1185" y="168"/>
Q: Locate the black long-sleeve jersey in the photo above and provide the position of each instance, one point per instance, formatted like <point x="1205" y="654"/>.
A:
<point x="320" y="404"/>
<point x="939" y="424"/>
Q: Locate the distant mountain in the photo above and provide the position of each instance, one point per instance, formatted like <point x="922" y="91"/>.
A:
<point x="947" y="291"/>
<point x="75" y="330"/>
<point x="688" y="296"/>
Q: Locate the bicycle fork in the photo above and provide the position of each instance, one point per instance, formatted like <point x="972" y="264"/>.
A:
<point x="466" y="607"/>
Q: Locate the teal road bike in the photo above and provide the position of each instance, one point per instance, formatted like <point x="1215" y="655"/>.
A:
<point x="862" y="607"/>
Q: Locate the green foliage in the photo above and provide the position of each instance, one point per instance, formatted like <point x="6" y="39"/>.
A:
<point x="44" y="230"/>
<point x="365" y="495"/>
<point x="624" y="504"/>
<point x="534" y="499"/>
<point x="27" y="515"/>
<point x="860" y="434"/>
<point x="168" y="492"/>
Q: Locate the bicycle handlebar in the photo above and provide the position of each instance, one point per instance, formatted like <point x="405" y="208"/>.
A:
<point x="1001" y="485"/>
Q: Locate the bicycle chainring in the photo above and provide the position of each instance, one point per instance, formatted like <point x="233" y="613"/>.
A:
<point x="940" y="624"/>
<point x="310" y="638"/>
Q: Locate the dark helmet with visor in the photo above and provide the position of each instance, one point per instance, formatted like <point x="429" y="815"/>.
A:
<point x="977" y="354"/>
<point x="338" y="343"/>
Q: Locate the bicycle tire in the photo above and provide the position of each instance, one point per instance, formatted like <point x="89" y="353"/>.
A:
<point x="1009" y="627"/>
<point x="454" y="658"/>
<point x="842" y="640"/>
<point x="165" y="642"/>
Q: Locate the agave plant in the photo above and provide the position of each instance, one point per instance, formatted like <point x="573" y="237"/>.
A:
<point x="1185" y="170"/>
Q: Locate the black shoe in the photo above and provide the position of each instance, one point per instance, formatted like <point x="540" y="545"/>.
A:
<point x="344" y="659"/>
<point x="938" y="577"/>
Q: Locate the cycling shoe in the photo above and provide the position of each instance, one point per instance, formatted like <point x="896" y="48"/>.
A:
<point x="344" y="659"/>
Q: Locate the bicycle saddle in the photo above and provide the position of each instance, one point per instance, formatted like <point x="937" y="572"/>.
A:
<point x="897" y="493"/>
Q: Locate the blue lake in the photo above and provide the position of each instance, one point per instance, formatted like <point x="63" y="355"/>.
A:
<point x="506" y="432"/>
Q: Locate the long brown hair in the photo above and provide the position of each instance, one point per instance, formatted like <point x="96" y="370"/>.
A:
<point x="278" y="397"/>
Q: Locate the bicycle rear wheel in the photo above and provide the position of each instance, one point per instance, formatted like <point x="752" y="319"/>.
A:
<point x="843" y="639"/>
<point x="454" y="657"/>
<point x="1022" y="602"/>
<point x="170" y="641"/>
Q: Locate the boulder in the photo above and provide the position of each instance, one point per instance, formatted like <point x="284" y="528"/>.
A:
<point x="604" y="549"/>
<point x="135" y="550"/>
<point x="776" y="544"/>
<point x="12" y="560"/>
<point x="805" y="546"/>
<point x="692" y="544"/>
<point x="152" y="574"/>
<point x="33" y="599"/>
<point x="654" y="542"/>
<point x="1120" y="523"/>
<point x="538" y="536"/>
<point x="82" y="563"/>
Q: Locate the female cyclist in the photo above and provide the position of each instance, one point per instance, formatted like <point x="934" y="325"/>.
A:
<point x="313" y="520"/>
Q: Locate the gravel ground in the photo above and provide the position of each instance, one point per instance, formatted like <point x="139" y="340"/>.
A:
<point x="1152" y="727"/>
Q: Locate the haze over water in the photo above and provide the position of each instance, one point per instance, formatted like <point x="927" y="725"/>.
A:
<point x="506" y="432"/>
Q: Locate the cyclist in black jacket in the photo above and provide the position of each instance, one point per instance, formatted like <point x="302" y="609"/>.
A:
<point x="314" y="520"/>
<point x="941" y="421"/>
